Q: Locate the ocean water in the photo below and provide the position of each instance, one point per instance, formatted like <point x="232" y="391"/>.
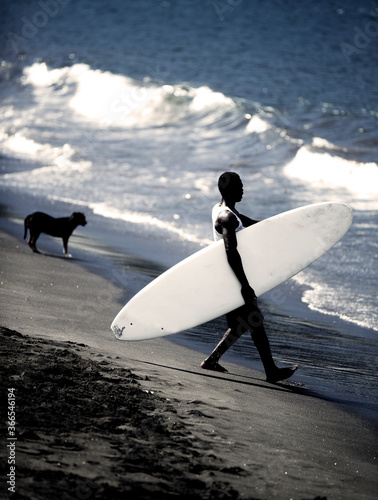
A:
<point x="129" y="111"/>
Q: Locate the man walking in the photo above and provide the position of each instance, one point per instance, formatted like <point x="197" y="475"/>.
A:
<point x="227" y="221"/>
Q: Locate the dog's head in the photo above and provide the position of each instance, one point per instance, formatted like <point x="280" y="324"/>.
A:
<point x="78" y="218"/>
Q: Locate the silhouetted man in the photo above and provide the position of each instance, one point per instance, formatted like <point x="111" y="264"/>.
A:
<point x="227" y="221"/>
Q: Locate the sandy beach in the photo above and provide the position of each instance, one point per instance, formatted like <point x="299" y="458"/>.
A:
<point x="101" y="419"/>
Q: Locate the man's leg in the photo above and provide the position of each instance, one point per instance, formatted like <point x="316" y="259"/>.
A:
<point x="273" y="373"/>
<point x="229" y="338"/>
<point x="255" y="321"/>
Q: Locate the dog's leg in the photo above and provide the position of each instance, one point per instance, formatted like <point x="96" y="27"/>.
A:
<point x="32" y="242"/>
<point x="65" y="247"/>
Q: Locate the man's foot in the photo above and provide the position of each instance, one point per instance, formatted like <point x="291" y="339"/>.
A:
<point x="281" y="374"/>
<point x="212" y="365"/>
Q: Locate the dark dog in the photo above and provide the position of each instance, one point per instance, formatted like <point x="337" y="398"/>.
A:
<point x="63" y="227"/>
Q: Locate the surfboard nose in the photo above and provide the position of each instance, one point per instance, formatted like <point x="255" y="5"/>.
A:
<point x="117" y="331"/>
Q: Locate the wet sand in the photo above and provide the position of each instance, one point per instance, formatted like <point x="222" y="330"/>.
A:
<point x="98" y="418"/>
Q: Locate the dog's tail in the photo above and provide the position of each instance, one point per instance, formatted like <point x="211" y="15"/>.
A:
<point x="26" y="225"/>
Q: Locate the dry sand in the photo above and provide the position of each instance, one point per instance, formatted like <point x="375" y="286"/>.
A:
<point x="101" y="419"/>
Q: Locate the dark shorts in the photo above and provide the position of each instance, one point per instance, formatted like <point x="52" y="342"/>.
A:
<point x="245" y="317"/>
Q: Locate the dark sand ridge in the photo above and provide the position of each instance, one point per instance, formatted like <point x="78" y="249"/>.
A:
<point x="97" y="418"/>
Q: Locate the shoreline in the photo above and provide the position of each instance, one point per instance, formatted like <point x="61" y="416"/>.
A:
<point x="111" y="251"/>
<point x="266" y="441"/>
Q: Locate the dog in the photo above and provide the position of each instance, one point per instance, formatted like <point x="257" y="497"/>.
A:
<point x="63" y="227"/>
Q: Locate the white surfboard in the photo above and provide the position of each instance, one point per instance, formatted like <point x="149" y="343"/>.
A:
<point x="203" y="286"/>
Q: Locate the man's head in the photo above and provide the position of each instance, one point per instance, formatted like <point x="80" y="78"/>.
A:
<point x="230" y="186"/>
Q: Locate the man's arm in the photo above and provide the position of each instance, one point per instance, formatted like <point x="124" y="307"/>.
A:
<point x="229" y="223"/>
<point x="246" y="221"/>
